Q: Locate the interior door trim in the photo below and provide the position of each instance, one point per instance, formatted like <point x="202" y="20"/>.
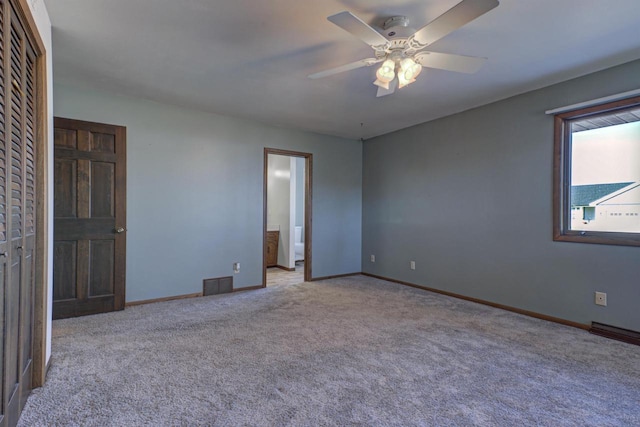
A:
<point x="41" y="314"/>
<point x="308" y="214"/>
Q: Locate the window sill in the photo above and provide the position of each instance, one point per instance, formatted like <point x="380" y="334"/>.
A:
<point x="598" y="238"/>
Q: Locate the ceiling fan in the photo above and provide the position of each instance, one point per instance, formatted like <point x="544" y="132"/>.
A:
<point x="404" y="54"/>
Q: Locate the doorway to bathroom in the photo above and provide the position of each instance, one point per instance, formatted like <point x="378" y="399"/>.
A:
<point x="287" y="214"/>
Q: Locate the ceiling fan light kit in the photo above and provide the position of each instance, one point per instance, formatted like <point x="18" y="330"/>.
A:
<point x="386" y="73"/>
<point x="402" y="56"/>
<point x="409" y="70"/>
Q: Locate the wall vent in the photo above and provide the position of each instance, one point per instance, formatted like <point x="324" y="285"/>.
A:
<point x="219" y="285"/>
<point x="626" y="335"/>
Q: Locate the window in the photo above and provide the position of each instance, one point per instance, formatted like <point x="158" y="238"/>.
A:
<point x="597" y="174"/>
<point x="589" y="213"/>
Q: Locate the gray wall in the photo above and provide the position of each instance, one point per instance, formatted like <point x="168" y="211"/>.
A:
<point x="468" y="197"/>
<point x="194" y="193"/>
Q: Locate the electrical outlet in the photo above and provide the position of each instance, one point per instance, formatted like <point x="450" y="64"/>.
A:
<point x="412" y="265"/>
<point x="373" y="258"/>
<point x="601" y="298"/>
<point x="236" y="267"/>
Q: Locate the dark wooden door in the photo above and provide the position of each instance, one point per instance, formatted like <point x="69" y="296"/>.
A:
<point x="89" y="224"/>
<point x="17" y="211"/>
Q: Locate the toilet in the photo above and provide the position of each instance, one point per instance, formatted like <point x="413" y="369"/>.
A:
<point x="299" y="242"/>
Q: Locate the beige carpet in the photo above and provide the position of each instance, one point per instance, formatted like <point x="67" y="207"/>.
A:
<point x="351" y="351"/>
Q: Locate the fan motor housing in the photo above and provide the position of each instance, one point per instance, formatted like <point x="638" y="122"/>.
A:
<point x="397" y="27"/>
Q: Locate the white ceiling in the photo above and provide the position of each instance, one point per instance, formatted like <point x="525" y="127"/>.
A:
<point x="250" y="58"/>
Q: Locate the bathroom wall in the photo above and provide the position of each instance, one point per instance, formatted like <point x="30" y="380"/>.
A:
<point x="300" y="191"/>
<point x="285" y="203"/>
<point x="279" y="196"/>
<point x="290" y="242"/>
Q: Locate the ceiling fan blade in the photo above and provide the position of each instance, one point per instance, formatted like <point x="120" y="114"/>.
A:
<point x="460" y="14"/>
<point x="356" y="26"/>
<point x="450" y="62"/>
<point x="384" y="92"/>
<point x="346" y="67"/>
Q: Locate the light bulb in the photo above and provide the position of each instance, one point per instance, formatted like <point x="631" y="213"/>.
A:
<point x="388" y="66"/>
<point x="409" y="69"/>
<point x="385" y="72"/>
<point x="413" y="72"/>
<point x="406" y="63"/>
<point x="403" y="81"/>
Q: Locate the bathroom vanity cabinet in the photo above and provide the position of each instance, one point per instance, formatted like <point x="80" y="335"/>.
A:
<point x="272" y="248"/>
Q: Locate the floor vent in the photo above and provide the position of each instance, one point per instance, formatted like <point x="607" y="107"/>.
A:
<point x="626" y="335"/>
<point x="220" y="285"/>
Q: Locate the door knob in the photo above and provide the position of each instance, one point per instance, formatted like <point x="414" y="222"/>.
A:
<point x="120" y="230"/>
